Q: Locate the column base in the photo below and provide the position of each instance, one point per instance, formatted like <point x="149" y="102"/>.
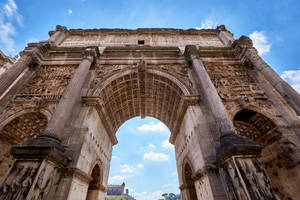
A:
<point x="45" y="141"/>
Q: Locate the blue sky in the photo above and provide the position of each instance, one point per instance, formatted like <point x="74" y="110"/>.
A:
<point x="274" y="24"/>
<point x="274" y="27"/>
<point x="144" y="159"/>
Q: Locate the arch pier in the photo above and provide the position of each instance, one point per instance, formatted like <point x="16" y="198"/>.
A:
<point x="234" y="122"/>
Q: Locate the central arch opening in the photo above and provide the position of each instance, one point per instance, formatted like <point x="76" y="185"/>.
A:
<point x="144" y="160"/>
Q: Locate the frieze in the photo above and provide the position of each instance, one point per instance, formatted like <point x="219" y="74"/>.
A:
<point x="234" y="81"/>
<point x="48" y="81"/>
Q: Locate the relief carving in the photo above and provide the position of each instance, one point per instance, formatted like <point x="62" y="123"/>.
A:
<point x="18" y="183"/>
<point x="47" y="183"/>
<point x="234" y="82"/>
<point x="48" y="81"/>
<point x="247" y="180"/>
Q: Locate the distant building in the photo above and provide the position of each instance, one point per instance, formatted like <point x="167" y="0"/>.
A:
<point x="118" y="191"/>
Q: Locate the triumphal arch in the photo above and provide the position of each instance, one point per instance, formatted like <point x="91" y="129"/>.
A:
<point x="234" y="122"/>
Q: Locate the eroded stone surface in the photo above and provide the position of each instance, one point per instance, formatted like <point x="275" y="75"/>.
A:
<point x="155" y="79"/>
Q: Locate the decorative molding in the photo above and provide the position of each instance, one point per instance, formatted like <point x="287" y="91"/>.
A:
<point x="205" y="171"/>
<point x="185" y="102"/>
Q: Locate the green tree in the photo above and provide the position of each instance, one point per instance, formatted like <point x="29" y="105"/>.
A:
<point x="115" y="198"/>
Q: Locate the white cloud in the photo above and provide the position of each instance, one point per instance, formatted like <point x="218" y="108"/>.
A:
<point x="146" y="195"/>
<point x="166" y="144"/>
<point x="118" y="179"/>
<point x="156" y="156"/>
<point x="260" y="42"/>
<point x="208" y="24"/>
<point x="170" y="185"/>
<point x="9" y="13"/>
<point x="152" y="146"/>
<point x="7" y="30"/>
<point x="70" y="11"/>
<point x="153" y="127"/>
<point x="293" y="77"/>
<point x="116" y="158"/>
<point x="140" y="165"/>
<point x="10" y="9"/>
<point x="127" y="168"/>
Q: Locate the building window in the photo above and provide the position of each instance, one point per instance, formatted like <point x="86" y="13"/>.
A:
<point x="141" y="42"/>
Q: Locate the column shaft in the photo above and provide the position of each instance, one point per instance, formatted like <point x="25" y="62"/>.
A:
<point x="8" y="77"/>
<point x="285" y="90"/>
<point x="214" y="102"/>
<point x="68" y="100"/>
<point x="230" y="142"/>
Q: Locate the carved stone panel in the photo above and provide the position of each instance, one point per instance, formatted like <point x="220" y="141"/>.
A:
<point x="48" y="81"/>
<point x="46" y="183"/>
<point x="245" y="179"/>
<point x="19" y="181"/>
<point x="234" y="81"/>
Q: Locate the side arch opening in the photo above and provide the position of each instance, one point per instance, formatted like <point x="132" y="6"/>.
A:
<point x="16" y="132"/>
<point x="263" y="131"/>
<point x="189" y="182"/>
<point x="95" y="184"/>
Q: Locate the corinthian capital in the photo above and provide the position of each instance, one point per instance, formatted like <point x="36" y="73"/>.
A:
<point x="243" y="41"/>
<point x="91" y="53"/>
<point x="191" y="51"/>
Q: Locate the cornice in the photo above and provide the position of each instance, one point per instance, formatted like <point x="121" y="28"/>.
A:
<point x="153" y="31"/>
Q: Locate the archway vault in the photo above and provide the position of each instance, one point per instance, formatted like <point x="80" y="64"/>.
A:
<point x="142" y="93"/>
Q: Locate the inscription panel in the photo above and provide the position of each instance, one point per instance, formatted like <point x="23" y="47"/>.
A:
<point x="152" y="40"/>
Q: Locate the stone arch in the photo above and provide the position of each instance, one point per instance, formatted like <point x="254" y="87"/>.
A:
<point x="255" y="126"/>
<point x="263" y="130"/>
<point x="8" y="118"/>
<point x="15" y="130"/>
<point x="114" y="76"/>
<point x="95" y="184"/>
<point x="94" y="164"/>
<point x="141" y="93"/>
<point x="188" y="188"/>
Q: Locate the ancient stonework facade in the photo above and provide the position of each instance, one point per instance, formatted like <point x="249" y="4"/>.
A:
<point x="234" y="122"/>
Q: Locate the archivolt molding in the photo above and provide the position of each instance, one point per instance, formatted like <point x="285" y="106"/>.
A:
<point x="22" y="126"/>
<point x="94" y="163"/>
<point x="141" y="91"/>
<point x="6" y="119"/>
<point x="123" y="70"/>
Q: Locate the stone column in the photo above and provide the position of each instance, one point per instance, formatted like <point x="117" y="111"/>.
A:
<point x="10" y="75"/>
<point x="36" y="173"/>
<point x="246" y="51"/>
<point x="225" y="36"/>
<point x="63" y="111"/>
<point x="231" y="143"/>
<point x="233" y="147"/>
<point x="57" y="36"/>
